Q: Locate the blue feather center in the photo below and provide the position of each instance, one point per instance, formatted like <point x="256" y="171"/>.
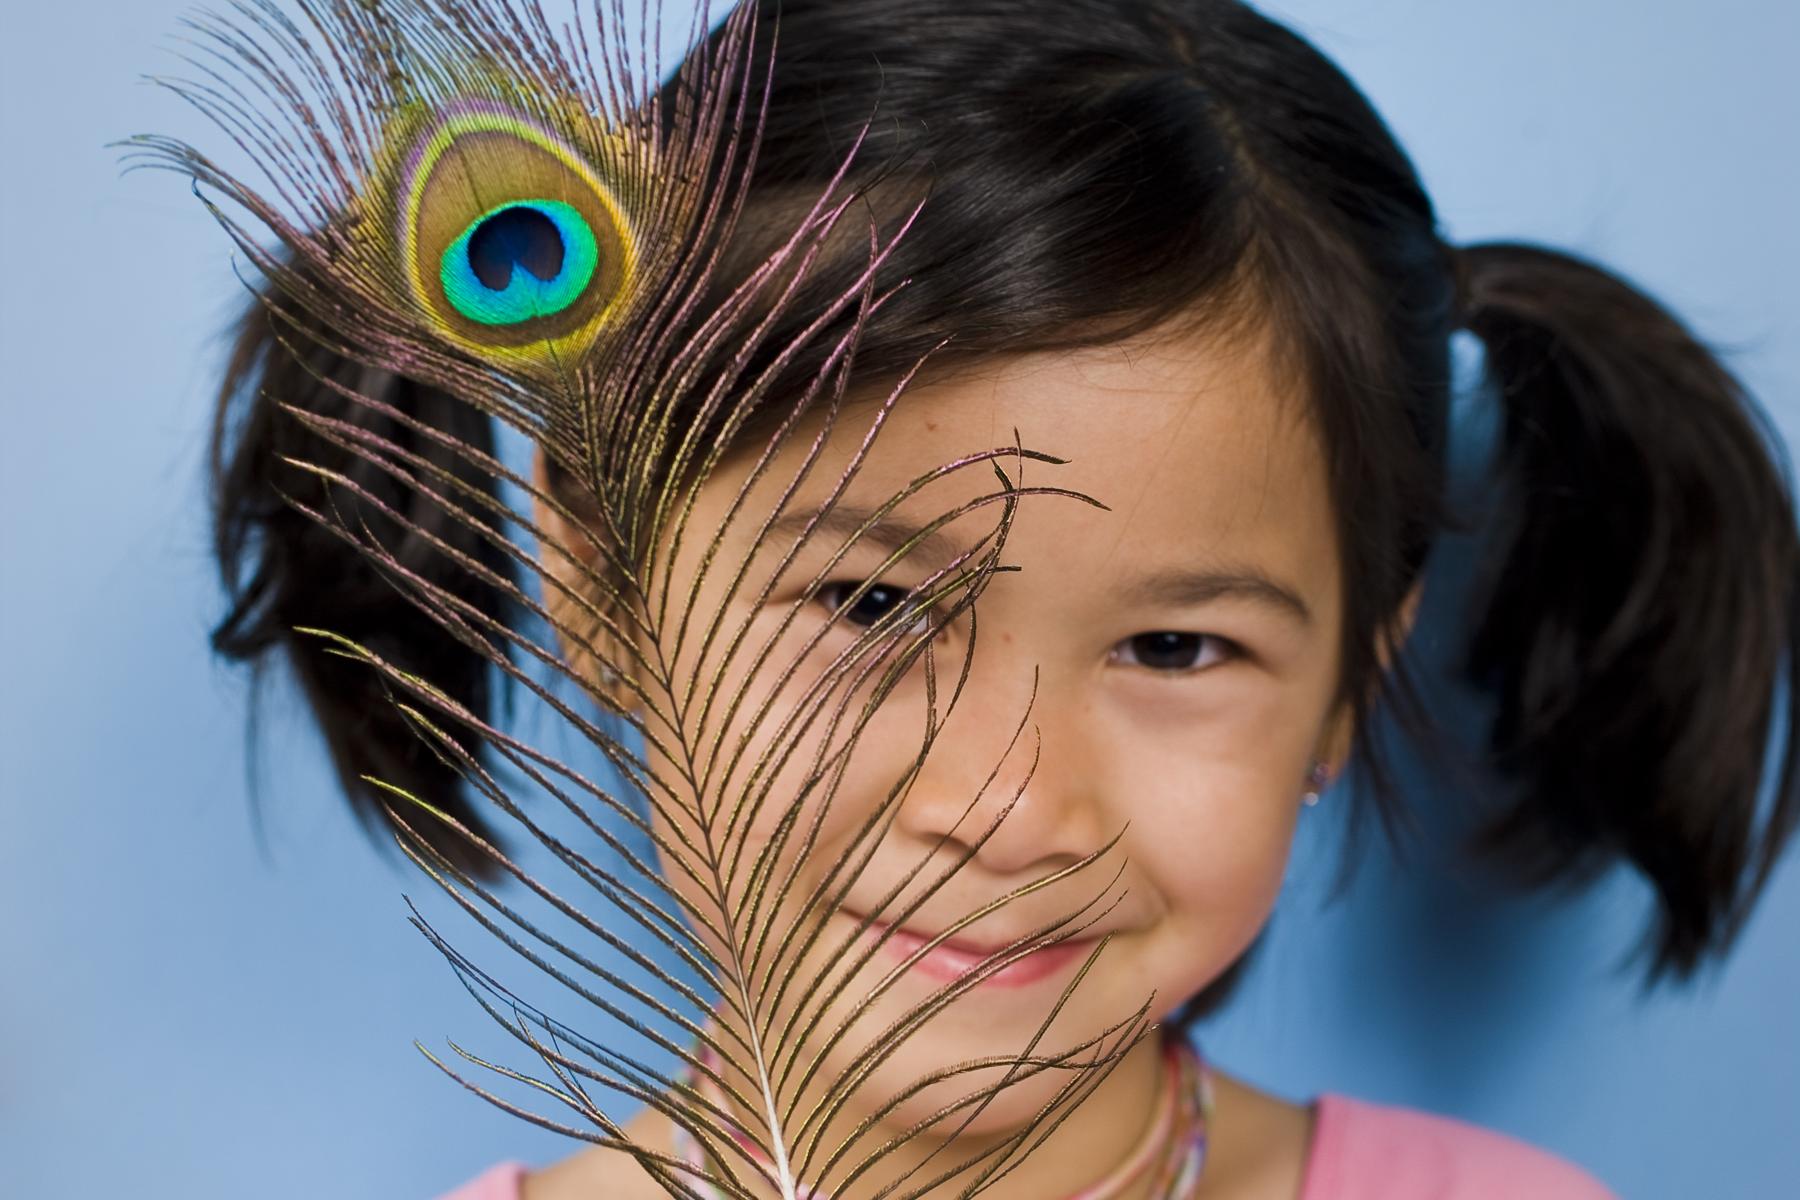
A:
<point x="519" y="261"/>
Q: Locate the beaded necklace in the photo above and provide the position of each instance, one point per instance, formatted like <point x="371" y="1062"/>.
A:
<point x="1172" y="1148"/>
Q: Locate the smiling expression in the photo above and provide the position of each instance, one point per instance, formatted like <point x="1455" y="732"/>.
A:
<point x="1185" y="647"/>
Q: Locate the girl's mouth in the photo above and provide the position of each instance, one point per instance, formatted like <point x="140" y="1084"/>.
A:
<point x="950" y="960"/>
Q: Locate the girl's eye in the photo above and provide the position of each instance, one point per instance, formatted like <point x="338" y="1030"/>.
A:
<point x="1165" y="651"/>
<point x="1170" y="651"/>
<point x="876" y="603"/>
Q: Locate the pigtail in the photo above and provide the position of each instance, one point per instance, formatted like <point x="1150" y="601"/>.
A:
<point x="281" y="570"/>
<point x="1639" y="596"/>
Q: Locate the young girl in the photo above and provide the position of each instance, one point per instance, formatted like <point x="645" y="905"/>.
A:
<point x="1173" y="245"/>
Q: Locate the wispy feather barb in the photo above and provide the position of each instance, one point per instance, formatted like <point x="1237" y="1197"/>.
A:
<point x="523" y="218"/>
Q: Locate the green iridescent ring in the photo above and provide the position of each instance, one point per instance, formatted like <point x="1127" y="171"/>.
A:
<point x="518" y="261"/>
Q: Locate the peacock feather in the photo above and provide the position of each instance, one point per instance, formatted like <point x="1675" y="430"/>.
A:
<point x="520" y="215"/>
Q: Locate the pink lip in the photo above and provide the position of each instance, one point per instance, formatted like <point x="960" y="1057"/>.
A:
<point x="950" y="960"/>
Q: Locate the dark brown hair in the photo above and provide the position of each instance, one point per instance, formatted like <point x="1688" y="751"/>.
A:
<point x="1095" y="168"/>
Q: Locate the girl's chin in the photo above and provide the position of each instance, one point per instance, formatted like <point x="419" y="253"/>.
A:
<point x="981" y="1024"/>
<point x="1009" y="1108"/>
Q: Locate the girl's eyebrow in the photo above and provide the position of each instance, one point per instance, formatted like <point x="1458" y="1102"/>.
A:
<point x="889" y="533"/>
<point x="1242" y="581"/>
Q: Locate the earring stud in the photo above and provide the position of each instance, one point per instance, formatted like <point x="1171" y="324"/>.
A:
<point x="1318" y="778"/>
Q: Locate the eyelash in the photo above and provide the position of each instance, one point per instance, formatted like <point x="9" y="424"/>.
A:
<point x="1230" y="648"/>
<point x="850" y="585"/>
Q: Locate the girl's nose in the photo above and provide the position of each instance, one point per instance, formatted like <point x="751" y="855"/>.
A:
<point x="1022" y="759"/>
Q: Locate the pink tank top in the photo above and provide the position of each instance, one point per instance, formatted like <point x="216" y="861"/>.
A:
<point x="1360" y="1151"/>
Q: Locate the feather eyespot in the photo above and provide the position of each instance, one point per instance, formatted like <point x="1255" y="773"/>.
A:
<point x="519" y="261"/>
<point x="515" y="246"/>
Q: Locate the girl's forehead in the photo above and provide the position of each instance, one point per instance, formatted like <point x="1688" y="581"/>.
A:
<point x="1109" y="407"/>
<point x="1200" y="453"/>
<point x="1167" y="431"/>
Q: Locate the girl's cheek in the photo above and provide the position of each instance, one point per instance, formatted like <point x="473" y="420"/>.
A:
<point x="771" y="779"/>
<point x="837" y="757"/>
<point x="1219" y="853"/>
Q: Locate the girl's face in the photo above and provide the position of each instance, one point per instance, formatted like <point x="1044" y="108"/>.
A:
<point x="1184" y="642"/>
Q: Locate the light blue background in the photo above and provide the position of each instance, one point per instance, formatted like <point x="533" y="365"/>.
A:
<point x="186" y="1013"/>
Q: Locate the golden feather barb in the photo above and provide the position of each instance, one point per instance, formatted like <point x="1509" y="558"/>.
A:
<point x="522" y="218"/>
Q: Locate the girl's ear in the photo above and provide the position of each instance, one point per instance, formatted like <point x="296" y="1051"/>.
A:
<point x="1403" y="623"/>
<point x="593" y="652"/>
<point x="1334" y="747"/>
